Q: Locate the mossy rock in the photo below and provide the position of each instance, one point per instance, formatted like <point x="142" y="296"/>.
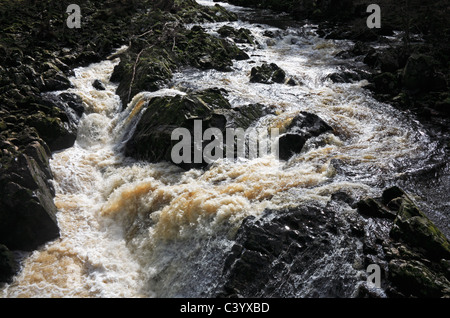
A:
<point x="414" y="228"/>
<point x="151" y="140"/>
<point x="416" y="279"/>
<point x="267" y="74"/>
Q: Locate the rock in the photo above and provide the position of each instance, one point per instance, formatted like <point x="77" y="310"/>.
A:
<point x="420" y="74"/>
<point x="280" y="253"/>
<point x="267" y="74"/>
<point x="385" y="83"/>
<point x="373" y="208"/>
<point x="28" y="213"/>
<point x="145" y="67"/>
<point x="98" y="85"/>
<point x="290" y="144"/>
<point x="246" y="115"/>
<point x="56" y="82"/>
<point x="56" y="133"/>
<point x="239" y="36"/>
<point x="302" y="127"/>
<point x="413" y="227"/>
<point x="71" y="104"/>
<point x="348" y="76"/>
<point x="416" y="279"/>
<point x="8" y="266"/>
<point x="151" y="139"/>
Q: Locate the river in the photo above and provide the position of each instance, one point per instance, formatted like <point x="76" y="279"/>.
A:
<point x="138" y="229"/>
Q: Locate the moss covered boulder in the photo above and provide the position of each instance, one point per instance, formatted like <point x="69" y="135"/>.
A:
<point x="267" y="74"/>
<point x="152" y="138"/>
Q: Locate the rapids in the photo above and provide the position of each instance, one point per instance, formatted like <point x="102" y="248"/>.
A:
<point x="138" y="229"/>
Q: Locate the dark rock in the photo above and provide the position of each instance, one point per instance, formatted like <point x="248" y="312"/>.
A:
<point x="413" y="227"/>
<point x="145" y="67"/>
<point x="392" y="193"/>
<point x="386" y="83"/>
<point x="98" y="85"/>
<point x="348" y="76"/>
<point x="421" y="74"/>
<point x="246" y="115"/>
<point x="303" y="127"/>
<point x="414" y="277"/>
<point x="372" y="208"/>
<point x="71" y="104"/>
<point x="239" y="36"/>
<point x="8" y="266"/>
<point x="290" y="144"/>
<point x="267" y="74"/>
<point x="57" y="134"/>
<point x="57" y="82"/>
<point x="28" y="214"/>
<point x="276" y="254"/>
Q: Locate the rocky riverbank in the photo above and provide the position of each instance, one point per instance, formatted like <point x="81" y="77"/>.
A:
<point x="412" y="72"/>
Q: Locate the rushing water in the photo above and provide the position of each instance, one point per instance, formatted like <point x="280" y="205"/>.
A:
<point x="135" y="229"/>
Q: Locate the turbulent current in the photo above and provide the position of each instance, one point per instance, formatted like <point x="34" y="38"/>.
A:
<point x="136" y="229"/>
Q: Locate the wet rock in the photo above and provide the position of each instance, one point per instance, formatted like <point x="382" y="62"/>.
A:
<point x="57" y="134"/>
<point x="290" y="144"/>
<point x="415" y="251"/>
<point x="385" y="83"/>
<point x="239" y="36"/>
<point x="373" y="208"/>
<point x="348" y="76"/>
<point x="28" y="213"/>
<point x="152" y="137"/>
<point x="246" y="115"/>
<point x="303" y="127"/>
<point x="417" y="230"/>
<point x="276" y="255"/>
<point x="8" y="266"/>
<point x="147" y="67"/>
<point x="267" y="74"/>
<point x="71" y="104"/>
<point x="98" y="85"/>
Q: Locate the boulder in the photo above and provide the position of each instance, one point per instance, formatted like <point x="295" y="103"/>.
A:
<point x="278" y="254"/>
<point x="98" y="85"/>
<point x="151" y="139"/>
<point x="302" y="127"/>
<point x="27" y="210"/>
<point x="239" y="36"/>
<point x="413" y="227"/>
<point x="8" y="266"/>
<point x="267" y="74"/>
<point x="420" y="74"/>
